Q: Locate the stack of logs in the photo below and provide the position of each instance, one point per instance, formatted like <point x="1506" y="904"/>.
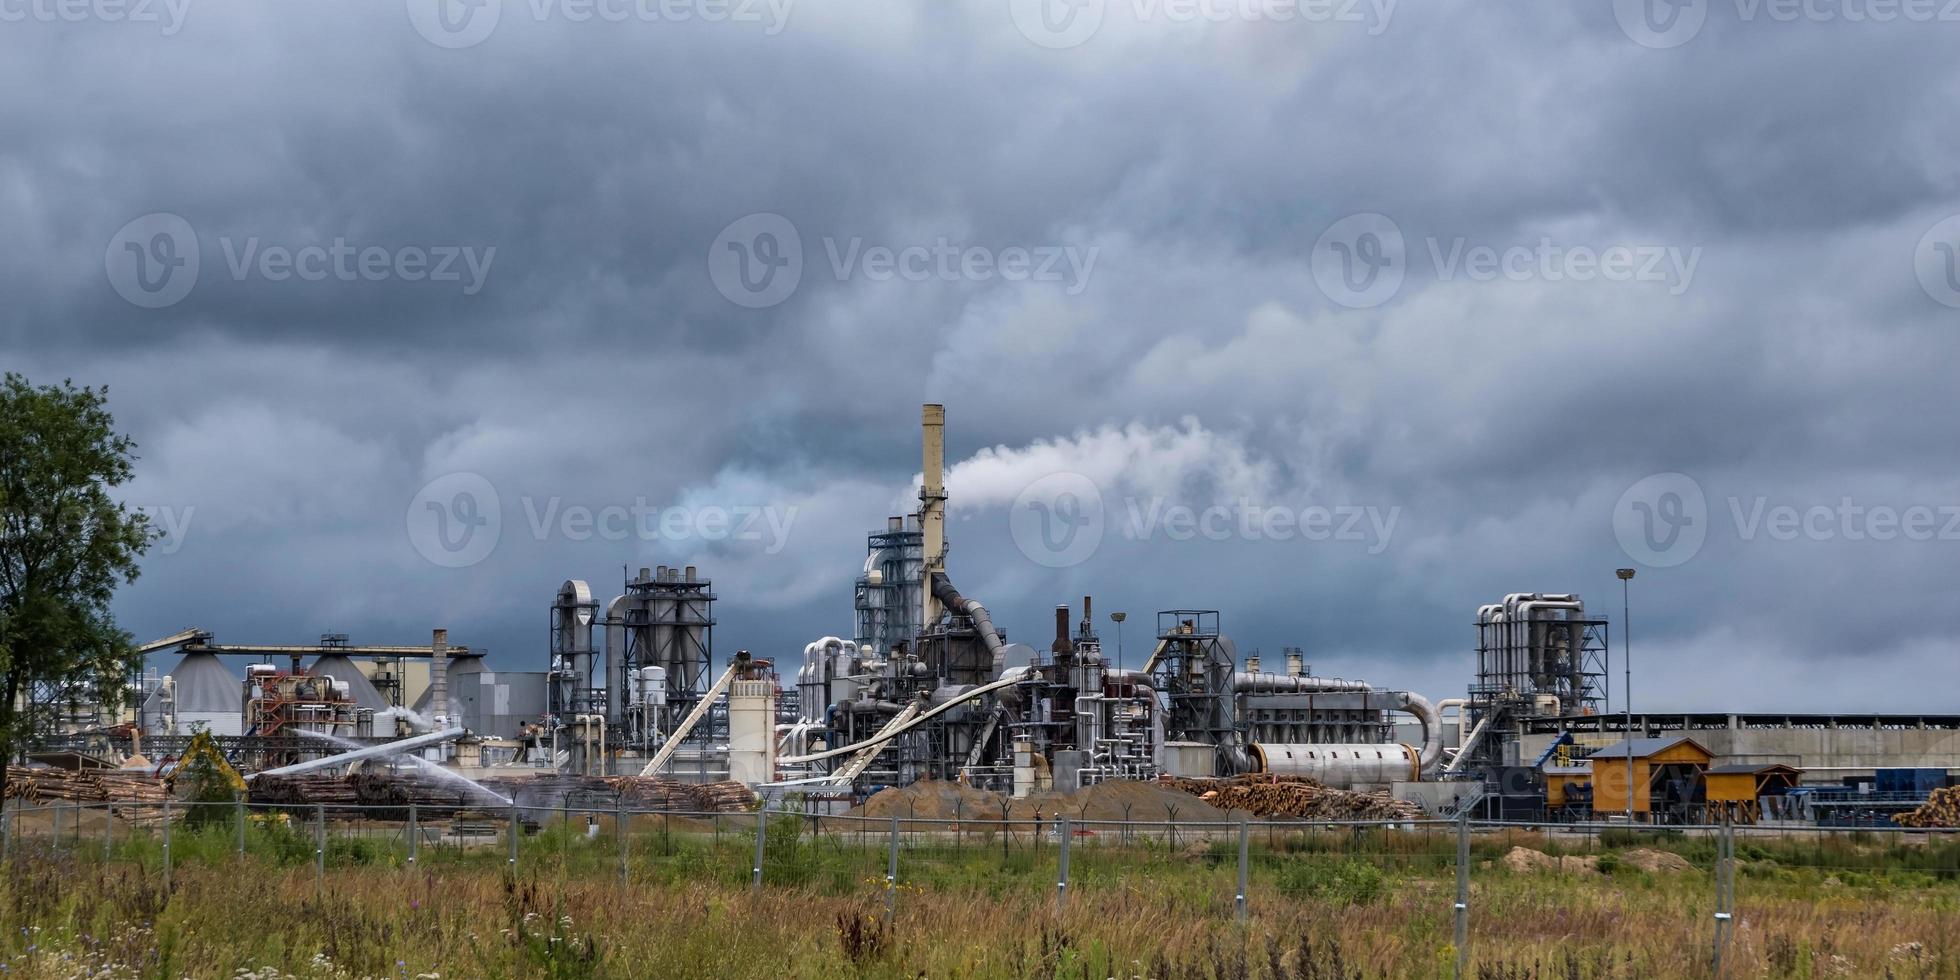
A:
<point x="1941" y="809"/>
<point x="143" y="790"/>
<point x="1297" y="798"/>
<point x="665" y="793"/>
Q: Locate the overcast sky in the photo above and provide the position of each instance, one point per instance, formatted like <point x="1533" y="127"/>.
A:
<point x="1340" y="319"/>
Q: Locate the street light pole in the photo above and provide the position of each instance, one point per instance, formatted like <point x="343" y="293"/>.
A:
<point x="1626" y="664"/>
<point x="1118" y="618"/>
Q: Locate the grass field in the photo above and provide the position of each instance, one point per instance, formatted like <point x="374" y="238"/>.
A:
<point x="1335" y="905"/>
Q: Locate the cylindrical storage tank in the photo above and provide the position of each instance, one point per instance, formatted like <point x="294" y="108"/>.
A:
<point x="1340" y="766"/>
<point x="653" y="686"/>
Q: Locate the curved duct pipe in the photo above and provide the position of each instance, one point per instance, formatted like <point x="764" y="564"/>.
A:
<point x="1462" y="706"/>
<point x="1432" y="729"/>
<point x="942" y="588"/>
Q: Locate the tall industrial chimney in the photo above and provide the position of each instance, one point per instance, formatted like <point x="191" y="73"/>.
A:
<point x="932" y="508"/>
<point x="439" y="678"/>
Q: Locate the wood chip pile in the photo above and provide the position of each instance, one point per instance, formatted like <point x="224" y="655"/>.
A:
<point x="1296" y="798"/>
<point x="1941" y="809"/>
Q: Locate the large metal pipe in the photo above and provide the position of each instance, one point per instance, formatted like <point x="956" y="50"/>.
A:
<point x="1340" y="766"/>
<point x="370" y="752"/>
<point x="1256" y="682"/>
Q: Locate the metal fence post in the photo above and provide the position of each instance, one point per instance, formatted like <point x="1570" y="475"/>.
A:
<point x="511" y="862"/>
<point x="1061" y="880"/>
<point x="1463" y="894"/>
<point x="108" y="830"/>
<point x="761" y="836"/>
<point x="239" y="815"/>
<point x="1724" y="889"/>
<point x="166" y="843"/>
<point x="6" y="832"/>
<point x="621" y="827"/>
<point x="891" y="873"/>
<point x="319" y="849"/>
<point x="1245" y="857"/>
<point x="414" y="832"/>
<point x="57" y="826"/>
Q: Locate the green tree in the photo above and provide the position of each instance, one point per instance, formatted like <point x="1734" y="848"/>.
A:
<point x="65" y="543"/>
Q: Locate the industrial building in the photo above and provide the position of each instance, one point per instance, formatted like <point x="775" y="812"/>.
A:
<point x="929" y="688"/>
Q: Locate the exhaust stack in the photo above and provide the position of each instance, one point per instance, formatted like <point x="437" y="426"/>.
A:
<point x="932" y="508"/>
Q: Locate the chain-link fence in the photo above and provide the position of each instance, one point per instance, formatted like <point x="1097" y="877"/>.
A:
<point x="1241" y="865"/>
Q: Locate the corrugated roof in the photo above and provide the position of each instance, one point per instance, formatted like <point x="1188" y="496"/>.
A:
<point x="1643" y="747"/>
<point x="1749" y="768"/>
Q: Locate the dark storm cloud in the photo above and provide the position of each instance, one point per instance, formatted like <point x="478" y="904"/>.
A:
<point x="1204" y="361"/>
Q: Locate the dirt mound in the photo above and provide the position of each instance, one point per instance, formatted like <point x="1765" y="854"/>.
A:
<point x="1524" y="860"/>
<point x="934" y="799"/>
<point x="1652" y="861"/>
<point x="1111" y="801"/>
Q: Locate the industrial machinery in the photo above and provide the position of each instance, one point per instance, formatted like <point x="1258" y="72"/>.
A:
<point x="950" y="698"/>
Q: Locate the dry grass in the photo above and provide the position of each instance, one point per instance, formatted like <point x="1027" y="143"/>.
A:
<point x="1132" y="912"/>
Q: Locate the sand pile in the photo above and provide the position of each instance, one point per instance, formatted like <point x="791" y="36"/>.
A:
<point x="1524" y="860"/>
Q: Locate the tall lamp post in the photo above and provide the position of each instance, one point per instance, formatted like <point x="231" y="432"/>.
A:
<point x="1118" y="618"/>
<point x="1626" y="663"/>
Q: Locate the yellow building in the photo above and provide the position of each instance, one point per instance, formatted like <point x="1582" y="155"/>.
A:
<point x="1734" y="791"/>
<point x="1667" y="776"/>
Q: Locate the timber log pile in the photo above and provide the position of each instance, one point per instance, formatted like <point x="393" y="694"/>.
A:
<point x="1296" y="798"/>
<point x="1941" y="809"/>
<point x="667" y="793"/>
<point x="38" y="785"/>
